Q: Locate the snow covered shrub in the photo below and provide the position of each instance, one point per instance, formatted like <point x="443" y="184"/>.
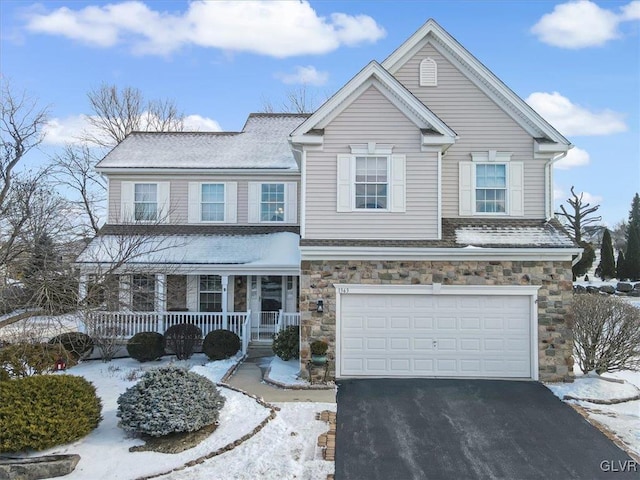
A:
<point x="168" y="400"/>
<point x="46" y="410"/>
<point x="25" y="359"/>
<point x="146" y="346"/>
<point x="77" y="344"/>
<point x="220" y="344"/>
<point x="182" y="339"/>
<point x="606" y="333"/>
<point x="286" y="343"/>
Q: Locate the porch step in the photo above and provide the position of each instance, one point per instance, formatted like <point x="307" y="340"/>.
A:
<point x="259" y="350"/>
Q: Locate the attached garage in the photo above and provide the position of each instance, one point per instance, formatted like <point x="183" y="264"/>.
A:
<point x="436" y="331"/>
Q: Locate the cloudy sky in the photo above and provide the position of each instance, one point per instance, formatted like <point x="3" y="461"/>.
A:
<point x="577" y="63"/>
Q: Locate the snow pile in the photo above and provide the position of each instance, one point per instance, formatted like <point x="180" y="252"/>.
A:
<point x="623" y="419"/>
<point x="285" y="372"/>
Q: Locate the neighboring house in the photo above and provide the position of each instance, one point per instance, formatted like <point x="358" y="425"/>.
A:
<point x="421" y="198"/>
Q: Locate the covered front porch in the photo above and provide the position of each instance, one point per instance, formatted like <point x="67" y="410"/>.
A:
<point x="243" y="284"/>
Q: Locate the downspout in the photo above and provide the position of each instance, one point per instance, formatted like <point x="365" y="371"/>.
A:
<point x="548" y="202"/>
<point x="577" y="259"/>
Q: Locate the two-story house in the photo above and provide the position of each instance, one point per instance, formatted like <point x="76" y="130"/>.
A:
<point x="409" y="220"/>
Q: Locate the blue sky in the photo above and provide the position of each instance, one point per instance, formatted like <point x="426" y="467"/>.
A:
<point x="577" y="63"/>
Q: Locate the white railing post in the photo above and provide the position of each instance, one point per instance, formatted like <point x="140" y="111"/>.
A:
<point x="280" y="322"/>
<point x="225" y="301"/>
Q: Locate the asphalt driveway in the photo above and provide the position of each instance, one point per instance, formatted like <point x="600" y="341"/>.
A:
<point x="467" y="429"/>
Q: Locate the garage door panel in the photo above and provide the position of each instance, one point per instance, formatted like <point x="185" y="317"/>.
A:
<point x="435" y="335"/>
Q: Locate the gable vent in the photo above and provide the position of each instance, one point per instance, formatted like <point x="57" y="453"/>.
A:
<point x="428" y="73"/>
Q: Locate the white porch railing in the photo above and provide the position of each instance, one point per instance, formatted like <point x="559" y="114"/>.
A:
<point x="127" y="324"/>
<point x="288" y="319"/>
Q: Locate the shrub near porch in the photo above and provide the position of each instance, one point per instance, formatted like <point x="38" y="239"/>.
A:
<point x="554" y="298"/>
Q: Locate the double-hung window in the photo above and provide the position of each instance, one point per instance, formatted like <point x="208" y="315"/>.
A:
<point x="491" y="188"/>
<point x="145" y="202"/>
<point x="272" y="202"/>
<point x="143" y="288"/>
<point x="210" y="292"/>
<point x="212" y="202"/>
<point x="371" y="182"/>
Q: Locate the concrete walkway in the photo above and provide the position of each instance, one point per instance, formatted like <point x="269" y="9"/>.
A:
<point x="248" y="377"/>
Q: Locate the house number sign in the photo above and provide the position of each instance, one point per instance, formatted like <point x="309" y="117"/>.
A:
<point x="343" y="290"/>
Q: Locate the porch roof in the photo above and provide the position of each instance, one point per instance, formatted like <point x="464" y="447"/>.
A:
<point x="274" y="252"/>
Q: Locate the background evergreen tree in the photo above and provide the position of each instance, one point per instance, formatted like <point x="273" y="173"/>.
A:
<point x="621" y="271"/>
<point x="634" y="215"/>
<point x="632" y="257"/>
<point x="607" y="267"/>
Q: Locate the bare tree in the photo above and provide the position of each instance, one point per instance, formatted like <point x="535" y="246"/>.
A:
<point x="75" y="170"/>
<point x="579" y="217"/>
<point x="297" y="100"/>
<point x="116" y="113"/>
<point x="20" y="129"/>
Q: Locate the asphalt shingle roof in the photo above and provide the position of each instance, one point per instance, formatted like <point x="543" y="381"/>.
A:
<point x="263" y="143"/>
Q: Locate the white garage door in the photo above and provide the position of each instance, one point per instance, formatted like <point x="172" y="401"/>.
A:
<point x="398" y="335"/>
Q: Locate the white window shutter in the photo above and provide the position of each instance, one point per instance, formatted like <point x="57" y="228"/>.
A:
<point x="516" y="189"/>
<point x="194" y="203"/>
<point x="466" y="188"/>
<point x="254" y="202"/>
<point x="398" y="183"/>
<point x="291" y="208"/>
<point x="231" y="202"/>
<point x="126" y="202"/>
<point x="164" y="201"/>
<point x="124" y="292"/>
<point x="345" y="183"/>
<point x="428" y="73"/>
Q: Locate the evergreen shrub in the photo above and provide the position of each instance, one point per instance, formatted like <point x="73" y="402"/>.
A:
<point x="43" y="411"/>
<point x="146" y="346"/>
<point x="220" y="344"/>
<point x="168" y="400"/>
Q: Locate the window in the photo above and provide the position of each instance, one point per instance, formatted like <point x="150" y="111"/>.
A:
<point x="371" y="183"/>
<point x="143" y="289"/>
<point x="210" y="293"/>
<point x="491" y="188"/>
<point x="272" y="202"/>
<point x="212" y="202"/>
<point x="145" y="201"/>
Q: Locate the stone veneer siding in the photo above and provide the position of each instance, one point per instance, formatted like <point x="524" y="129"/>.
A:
<point x="555" y="341"/>
<point x="240" y="294"/>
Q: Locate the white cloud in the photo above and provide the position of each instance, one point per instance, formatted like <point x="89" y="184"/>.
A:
<point x="576" y="157"/>
<point x="69" y="130"/>
<point x="572" y="119"/>
<point x="196" y="123"/>
<point x="273" y="28"/>
<point x="558" y="194"/>
<point x="304" y="75"/>
<point x="72" y="129"/>
<point x="590" y="198"/>
<point x="582" y="23"/>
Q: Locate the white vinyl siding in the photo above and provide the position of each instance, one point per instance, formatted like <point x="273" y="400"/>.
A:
<point x="413" y="175"/>
<point x="271" y="202"/>
<point x="144" y="202"/>
<point x="481" y="125"/>
<point x="212" y="202"/>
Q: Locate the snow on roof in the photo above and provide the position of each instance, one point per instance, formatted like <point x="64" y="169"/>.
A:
<point x="274" y="249"/>
<point x="512" y="236"/>
<point x="263" y="143"/>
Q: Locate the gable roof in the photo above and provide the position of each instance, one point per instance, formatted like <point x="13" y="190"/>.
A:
<point x="262" y="144"/>
<point x="374" y="74"/>
<point x="480" y="75"/>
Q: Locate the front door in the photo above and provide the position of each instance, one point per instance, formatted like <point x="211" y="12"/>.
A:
<point x="266" y="300"/>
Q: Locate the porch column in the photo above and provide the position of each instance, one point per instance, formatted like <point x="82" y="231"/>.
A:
<point x="82" y="295"/>
<point x="161" y="292"/>
<point x="225" y="288"/>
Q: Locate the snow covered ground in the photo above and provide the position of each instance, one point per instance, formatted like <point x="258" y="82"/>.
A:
<point x="285" y="371"/>
<point x="622" y="419"/>
<point x="284" y="448"/>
